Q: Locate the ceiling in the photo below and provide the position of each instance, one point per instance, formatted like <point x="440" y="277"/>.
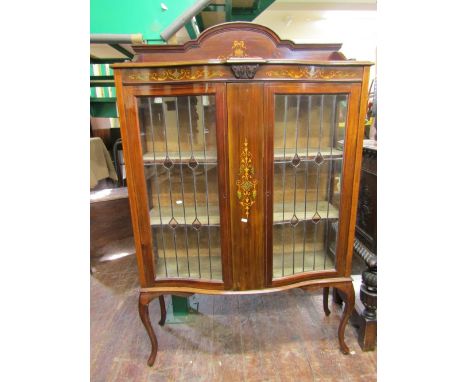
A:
<point x="350" y="22"/>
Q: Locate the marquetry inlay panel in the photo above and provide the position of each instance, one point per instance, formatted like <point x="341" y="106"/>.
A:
<point x="177" y="74"/>
<point x="246" y="184"/>
<point x="312" y="73"/>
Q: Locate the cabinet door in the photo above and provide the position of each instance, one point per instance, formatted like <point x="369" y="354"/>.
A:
<point x="311" y="148"/>
<point x="178" y="135"/>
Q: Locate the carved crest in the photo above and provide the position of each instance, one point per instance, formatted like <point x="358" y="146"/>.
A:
<point x="244" y="71"/>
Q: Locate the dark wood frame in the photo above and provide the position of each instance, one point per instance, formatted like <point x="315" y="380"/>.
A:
<point x="264" y="65"/>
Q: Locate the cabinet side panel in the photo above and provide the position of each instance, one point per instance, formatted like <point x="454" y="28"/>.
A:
<point x="246" y="179"/>
<point x="357" y="167"/>
<point x="131" y="145"/>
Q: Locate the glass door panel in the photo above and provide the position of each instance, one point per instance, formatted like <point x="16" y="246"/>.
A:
<point x="178" y="137"/>
<point x="309" y="133"/>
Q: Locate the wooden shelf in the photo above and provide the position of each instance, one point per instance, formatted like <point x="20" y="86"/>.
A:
<point x="166" y="216"/>
<point x="216" y="273"/>
<point x="189" y="215"/>
<point x="183" y="157"/>
<point x="183" y="266"/>
<point x="322" y="208"/>
<point x="211" y="156"/>
<point x="282" y="155"/>
<point x="298" y="264"/>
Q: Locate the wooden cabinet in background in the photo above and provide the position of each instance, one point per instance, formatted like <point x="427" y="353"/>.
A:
<point x="242" y="150"/>
<point x="365" y="246"/>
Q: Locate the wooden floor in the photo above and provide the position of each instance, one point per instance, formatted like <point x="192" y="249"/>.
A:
<point x="275" y="337"/>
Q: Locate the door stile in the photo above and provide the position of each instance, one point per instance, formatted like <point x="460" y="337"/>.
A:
<point x="246" y="139"/>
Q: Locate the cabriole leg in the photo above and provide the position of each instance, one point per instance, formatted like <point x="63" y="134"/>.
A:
<point x="326" y="292"/>
<point x="348" y="291"/>
<point x="163" y="310"/>
<point x="336" y="297"/>
<point x="143" y="304"/>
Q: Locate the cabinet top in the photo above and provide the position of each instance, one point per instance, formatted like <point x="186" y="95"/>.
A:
<point x="238" y="42"/>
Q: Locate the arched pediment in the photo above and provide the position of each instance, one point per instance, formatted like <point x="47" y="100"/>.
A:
<point x="238" y="40"/>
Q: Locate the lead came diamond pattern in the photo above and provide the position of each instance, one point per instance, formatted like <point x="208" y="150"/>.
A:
<point x="294" y="221"/>
<point x="173" y="223"/>
<point x="168" y="163"/>
<point x="196" y="224"/>
<point x="316" y="218"/>
<point x="304" y="178"/>
<point x="319" y="159"/>
<point x="193" y="164"/>
<point x="296" y="160"/>
<point x="176" y="130"/>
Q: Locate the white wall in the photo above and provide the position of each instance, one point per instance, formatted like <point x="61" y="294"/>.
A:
<point x="307" y="21"/>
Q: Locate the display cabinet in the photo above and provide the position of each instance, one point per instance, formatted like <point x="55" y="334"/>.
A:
<point x="242" y="156"/>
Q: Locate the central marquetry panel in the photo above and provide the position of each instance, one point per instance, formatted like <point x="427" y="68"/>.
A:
<point x="246" y="181"/>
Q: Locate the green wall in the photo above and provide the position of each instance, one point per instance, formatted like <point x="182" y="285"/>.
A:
<point x="135" y="16"/>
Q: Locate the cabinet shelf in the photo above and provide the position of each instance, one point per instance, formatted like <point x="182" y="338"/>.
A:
<point x="282" y="155"/>
<point x="210" y="157"/>
<point x="170" y="266"/>
<point x="322" y="208"/>
<point x="303" y="261"/>
<point x="189" y="216"/>
<point x="183" y="157"/>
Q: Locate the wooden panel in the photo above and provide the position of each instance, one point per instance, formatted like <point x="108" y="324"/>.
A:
<point x="262" y="72"/>
<point x="309" y="72"/>
<point x="236" y="40"/>
<point x="188" y="73"/>
<point x="245" y="131"/>
<point x="135" y="182"/>
<point x="310" y="285"/>
<point x="358" y="117"/>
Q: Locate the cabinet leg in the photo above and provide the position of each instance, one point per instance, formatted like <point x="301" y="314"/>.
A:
<point x="336" y="297"/>
<point x="143" y="303"/>
<point x="163" y="310"/>
<point x="326" y="292"/>
<point x="348" y="291"/>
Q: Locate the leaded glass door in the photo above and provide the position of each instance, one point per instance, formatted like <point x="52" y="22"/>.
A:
<point x="309" y="128"/>
<point x="180" y="133"/>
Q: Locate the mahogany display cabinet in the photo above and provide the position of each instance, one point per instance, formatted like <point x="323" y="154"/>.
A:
<point x="242" y="150"/>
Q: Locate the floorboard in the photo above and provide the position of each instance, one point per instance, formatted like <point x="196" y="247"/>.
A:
<point x="275" y="337"/>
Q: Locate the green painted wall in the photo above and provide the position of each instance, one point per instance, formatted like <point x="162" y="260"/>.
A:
<point x="135" y="16"/>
